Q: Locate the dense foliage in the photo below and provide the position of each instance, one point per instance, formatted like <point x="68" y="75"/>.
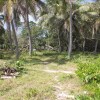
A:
<point x="89" y="73"/>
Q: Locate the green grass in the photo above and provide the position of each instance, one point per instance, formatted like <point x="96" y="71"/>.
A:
<point x="35" y="84"/>
<point x="65" y="77"/>
<point x="31" y="84"/>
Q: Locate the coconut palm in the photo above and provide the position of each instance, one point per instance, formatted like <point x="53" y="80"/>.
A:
<point x="27" y="7"/>
<point x="12" y="11"/>
<point x="9" y="10"/>
<point x="61" y="15"/>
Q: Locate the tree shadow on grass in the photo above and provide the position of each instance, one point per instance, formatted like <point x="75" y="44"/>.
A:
<point x="58" y="58"/>
<point x="51" y="54"/>
<point x="84" y="54"/>
<point x="33" y="61"/>
<point x="51" y="58"/>
<point x="6" y="55"/>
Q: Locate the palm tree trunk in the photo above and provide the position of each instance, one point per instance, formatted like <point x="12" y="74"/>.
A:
<point x="59" y="41"/>
<point x="96" y="45"/>
<point x="93" y="32"/>
<point x="70" y="35"/>
<point x="29" y="31"/>
<point x="84" y="42"/>
<point x="9" y="35"/>
<point x="15" y="39"/>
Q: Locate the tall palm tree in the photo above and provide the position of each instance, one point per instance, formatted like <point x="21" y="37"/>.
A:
<point x="57" y="17"/>
<point x="13" y="9"/>
<point x="2" y="2"/>
<point x="9" y="14"/>
<point x="15" y="39"/>
<point x="70" y="34"/>
<point x="97" y="30"/>
<point x="9" y="35"/>
<point x="29" y="30"/>
<point x="29" y="7"/>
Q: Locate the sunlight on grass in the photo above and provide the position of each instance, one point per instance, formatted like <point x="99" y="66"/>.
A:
<point x="35" y="84"/>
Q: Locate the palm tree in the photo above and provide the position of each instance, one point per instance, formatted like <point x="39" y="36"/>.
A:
<point x="15" y="39"/>
<point x="13" y="9"/>
<point x="29" y="30"/>
<point x="97" y="29"/>
<point x="9" y="35"/>
<point x="9" y="14"/>
<point x="29" y="7"/>
<point x="70" y="34"/>
<point x="2" y="2"/>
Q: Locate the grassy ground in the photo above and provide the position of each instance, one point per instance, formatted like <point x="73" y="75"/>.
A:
<point x="44" y="77"/>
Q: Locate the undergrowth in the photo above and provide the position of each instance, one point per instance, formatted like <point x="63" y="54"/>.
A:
<point x="89" y="72"/>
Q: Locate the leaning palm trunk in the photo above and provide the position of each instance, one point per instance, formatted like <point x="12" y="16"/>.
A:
<point x="29" y="31"/>
<point x="15" y="40"/>
<point x="70" y="34"/>
<point x="9" y="35"/>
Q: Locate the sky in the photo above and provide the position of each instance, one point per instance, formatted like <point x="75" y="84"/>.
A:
<point x="88" y="0"/>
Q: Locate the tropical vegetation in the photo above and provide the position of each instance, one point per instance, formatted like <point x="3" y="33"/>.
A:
<point x="53" y="45"/>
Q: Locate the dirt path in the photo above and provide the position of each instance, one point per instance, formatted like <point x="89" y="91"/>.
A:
<point x="59" y="71"/>
<point x="62" y="91"/>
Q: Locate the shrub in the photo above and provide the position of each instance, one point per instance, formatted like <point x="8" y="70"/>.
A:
<point x="89" y="73"/>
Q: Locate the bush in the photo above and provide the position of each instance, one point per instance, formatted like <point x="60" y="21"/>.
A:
<point x="89" y="73"/>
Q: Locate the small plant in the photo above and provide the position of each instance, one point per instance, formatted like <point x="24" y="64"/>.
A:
<point x="65" y="77"/>
<point x="83" y="97"/>
<point x="31" y="92"/>
<point x="19" y="65"/>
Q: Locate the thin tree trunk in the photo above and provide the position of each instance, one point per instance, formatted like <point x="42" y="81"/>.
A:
<point x="84" y="42"/>
<point x="93" y="32"/>
<point x="15" y="40"/>
<point x="29" y="31"/>
<point x="70" y="34"/>
<point x="96" y="45"/>
<point x="59" y="41"/>
<point x="9" y="35"/>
